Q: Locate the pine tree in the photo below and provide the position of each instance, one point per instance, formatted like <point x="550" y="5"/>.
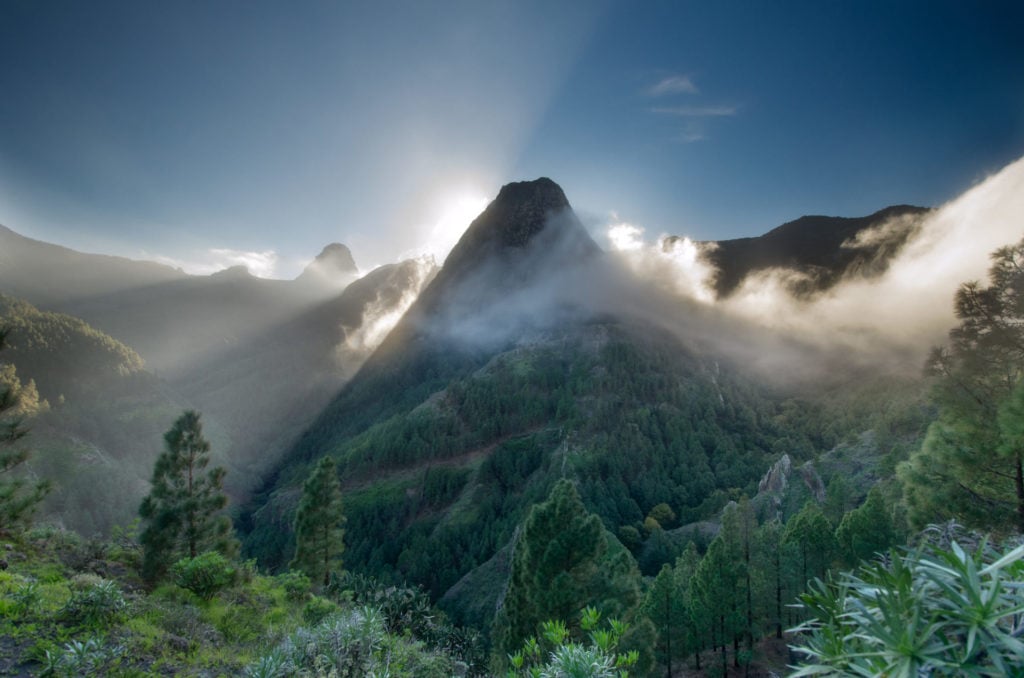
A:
<point x="866" y="530"/>
<point x="559" y="566"/>
<point x="811" y="537"/>
<point x="18" y="497"/>
<point x="319" y="535"/>
<point x="971" y="465"/>
<point x="715" y="595"/>
<point x="183" y="506"/>
<point x="771" y="592"/>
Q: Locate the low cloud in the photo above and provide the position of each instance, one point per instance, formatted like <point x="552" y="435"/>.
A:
<point x="260" y="264"/>
<point x="891" y="319"/>
<point x="673" y="84"/>
<point x="382" y="313"/>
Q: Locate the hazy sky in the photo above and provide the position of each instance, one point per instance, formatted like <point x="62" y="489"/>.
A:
<point x="208" y="133"/>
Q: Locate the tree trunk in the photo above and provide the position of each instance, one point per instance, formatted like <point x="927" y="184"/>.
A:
<point x="668" y="630"/>
<point x="191" y="515"/>
<point x="1020" y="494"/>
<point x="778" y="595"/>
<point x="327" y="555"/>
<point x="725" y="657"/>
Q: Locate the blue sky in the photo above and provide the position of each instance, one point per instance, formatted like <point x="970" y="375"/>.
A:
<point x="265" y="130"/>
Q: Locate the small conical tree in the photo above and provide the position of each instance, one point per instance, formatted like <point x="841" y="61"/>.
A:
<point x="182" y="509"/>
<point x="866" y="530"/>
<point x="319" y="531"/>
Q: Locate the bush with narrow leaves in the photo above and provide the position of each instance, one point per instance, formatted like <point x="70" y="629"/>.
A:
<point x="929" y="612"/>
<point x="555" y="656"/>
<point x="94" y="602"/>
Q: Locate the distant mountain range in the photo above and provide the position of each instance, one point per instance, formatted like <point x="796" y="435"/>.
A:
<point x="258" y="357"/>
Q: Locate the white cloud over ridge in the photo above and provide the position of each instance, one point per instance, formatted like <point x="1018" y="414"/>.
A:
<point x="898" y="315"/>
<point x="260" y="264"/>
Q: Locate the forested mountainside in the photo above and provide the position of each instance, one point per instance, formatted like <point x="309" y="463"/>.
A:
<point x="95" y="433"/>
<point x="268" y="389"/>
<point x="257" y="395"/>
<point x="446" y="437"/>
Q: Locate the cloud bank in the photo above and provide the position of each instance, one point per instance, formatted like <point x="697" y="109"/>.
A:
<point x="896" y="316"/>
<point x="260" y="264"/>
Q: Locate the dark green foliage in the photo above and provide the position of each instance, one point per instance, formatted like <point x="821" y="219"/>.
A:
<point x="407" y="609"/>
<point x="64" y="355"/>
<point x="552" y="653"/>
<point x="638" y="422"/>
<point x="971" y="466"/>
<point x="867" y="530"/>
<point x="95" y="602"/>
<point x="667" y="606"/>
<point x="559" y="566"/>
<point x="296" y="585"/>
<point x="931" y="611"/>
<point x="19" y="496"/>
<point x="319" y="535"/>
<point x="205" y="575"/>
<point x="809" y="536"/>
<point x="182" y="509"/>
<point x="317" y="609"/>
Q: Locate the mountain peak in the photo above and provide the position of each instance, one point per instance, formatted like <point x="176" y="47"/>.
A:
<point x="513" y="256"/>
<point x="334" y="266"/>
<point x="520" y="211"/>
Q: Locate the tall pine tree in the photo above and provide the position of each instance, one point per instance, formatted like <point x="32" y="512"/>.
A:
<point x="971" y="465"/>
<point x="18" y="497"/>
<point x="319" y="531"/>
<point x="561" y="564"/>
<point x="183" y="508"/>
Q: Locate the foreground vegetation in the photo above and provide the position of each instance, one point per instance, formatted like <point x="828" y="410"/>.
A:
<point x="71" y="607"/>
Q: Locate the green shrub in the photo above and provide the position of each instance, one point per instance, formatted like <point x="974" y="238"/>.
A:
<point x="205" y="574"/>
<point x="318" y="609"/>
<point x="27" y="598"/>
<point x="555" y="656"/>
<point x="80" y="658"/>
<point x="94" y="602"/>
<point x="295" y="584"/>
<point x="931" y="611"/>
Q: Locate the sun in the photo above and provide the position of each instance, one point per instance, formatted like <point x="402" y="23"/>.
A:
<point x="456" y="213"/>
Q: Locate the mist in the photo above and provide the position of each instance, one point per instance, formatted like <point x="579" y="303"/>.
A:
<point x="892" y="319"/>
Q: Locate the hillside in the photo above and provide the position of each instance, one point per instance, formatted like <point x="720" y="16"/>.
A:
<point x="97" y="438"/>
<point x="70" y="276"/>
<point x="496" y="383"/>
<point x="170" y="318"/>
<point x="822" y="249"/>
<point x="266" y="390"/>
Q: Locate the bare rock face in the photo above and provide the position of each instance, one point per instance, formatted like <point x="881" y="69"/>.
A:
<point x="774" y="481"/>
<point x="813" y="481"/>
<point x="333" y="267"/>
<point x="526" y="235"/>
